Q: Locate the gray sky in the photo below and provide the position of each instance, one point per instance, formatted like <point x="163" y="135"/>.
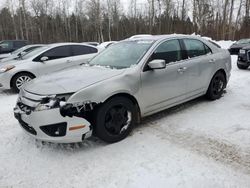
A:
<point x="125" y="3"/>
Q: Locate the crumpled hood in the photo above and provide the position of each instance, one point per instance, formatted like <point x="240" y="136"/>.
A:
<point x="70" y="80"/>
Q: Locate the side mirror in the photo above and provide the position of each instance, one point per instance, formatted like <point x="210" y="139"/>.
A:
<point x="21" y="54"/>
<point x="157" y="64"/>
<point x="44" y="58"/>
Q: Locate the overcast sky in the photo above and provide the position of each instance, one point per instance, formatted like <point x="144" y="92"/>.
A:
<point x="124" y="2"/>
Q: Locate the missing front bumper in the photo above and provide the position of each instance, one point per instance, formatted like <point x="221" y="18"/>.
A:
<point x="50" y="126"/>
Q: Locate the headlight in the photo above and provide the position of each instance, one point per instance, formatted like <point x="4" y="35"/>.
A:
<point x="6" y="68"/>
<point x="51" y="102"/>
<point x="242" y="51"/>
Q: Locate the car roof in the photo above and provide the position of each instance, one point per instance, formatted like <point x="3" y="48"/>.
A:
<point x="161" y="37"/>
<point x="13" y="41"/>
<point x="68" y="43"/>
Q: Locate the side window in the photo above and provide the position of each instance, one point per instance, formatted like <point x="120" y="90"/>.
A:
<point x="82" y="50"/>
<point x="208" y="50"/>
<point x="194" y="48"/>
<point x="19" y="44"/>
<point x="58" y="53"/>
<point x="170" y="51"/>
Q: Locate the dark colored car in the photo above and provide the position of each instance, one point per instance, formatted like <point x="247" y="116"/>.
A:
<point x="235" y="48"/>
<point x="8" y="46"/>
<point x="244" y="58"/>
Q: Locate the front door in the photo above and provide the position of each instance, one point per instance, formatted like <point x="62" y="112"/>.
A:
<point x="164" y="87"/>
<point x="59" y="58"/>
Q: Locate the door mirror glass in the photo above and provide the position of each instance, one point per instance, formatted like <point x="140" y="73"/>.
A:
<point x="157" y="64"/>
<point x="44" y="58"/>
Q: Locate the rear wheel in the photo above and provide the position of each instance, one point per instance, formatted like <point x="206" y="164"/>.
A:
<point x="242" y="66"/>
<point x="20" y="79"/>
<point x="217" y="86"/>
<point x="115" y="119"/>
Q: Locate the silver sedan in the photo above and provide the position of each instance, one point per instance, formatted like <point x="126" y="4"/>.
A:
<point x="128" y="81"/>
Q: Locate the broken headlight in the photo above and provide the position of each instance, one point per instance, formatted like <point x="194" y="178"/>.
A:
<point x="52" y="102"/>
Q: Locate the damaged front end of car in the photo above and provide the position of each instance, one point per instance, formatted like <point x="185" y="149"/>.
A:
<point x="51" y="118"/>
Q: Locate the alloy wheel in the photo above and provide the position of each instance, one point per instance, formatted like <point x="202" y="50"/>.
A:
<point x="117" y="120"/>
<point x="22" y="80"/>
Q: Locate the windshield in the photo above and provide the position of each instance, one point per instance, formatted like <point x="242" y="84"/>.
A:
<point x="5" y="44"/>
<point x="243" y="41"/>
<point x="34" y="52"/>
<point x="19" y="50"/>
<point x="122" y="55"/>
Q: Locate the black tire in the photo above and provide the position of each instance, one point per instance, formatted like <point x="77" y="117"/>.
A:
<point x="244" y="67"/>
<point x="217" y="86"/>
<point x="111" y="118"/>
<point x="15" y="80"/>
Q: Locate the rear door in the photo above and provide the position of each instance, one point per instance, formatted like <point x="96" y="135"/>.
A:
<point x="82" y="54"/>
<point x="200" y="64"/>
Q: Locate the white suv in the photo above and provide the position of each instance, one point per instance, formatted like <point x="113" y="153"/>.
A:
<point x="44" y="60"/>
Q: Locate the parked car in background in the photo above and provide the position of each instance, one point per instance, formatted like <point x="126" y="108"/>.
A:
<point x="105" y="45"/>
<point x="8" y="46"/>
<point x="43" y="60"/>
<point x="140" y="36"/>
<point x="235" y="48"/>
<point x="128" y="81"/>
<point x="20" y="52"/>
<point x="244" y="58"/>
<point x="91" y="43"/>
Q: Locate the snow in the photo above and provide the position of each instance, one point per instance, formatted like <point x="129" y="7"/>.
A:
<point x="197" y="144"/>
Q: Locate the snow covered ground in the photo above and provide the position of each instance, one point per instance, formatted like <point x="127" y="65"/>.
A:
<point x="197" y="144"/>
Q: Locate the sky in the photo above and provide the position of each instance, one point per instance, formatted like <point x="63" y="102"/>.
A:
<point x="124" y="2"/>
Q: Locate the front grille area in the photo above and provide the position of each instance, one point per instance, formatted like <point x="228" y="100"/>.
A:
<point x="29" y="129"/>
<point x="248" y="56"/>
<point x="24" y="107"/>
<point x="234" y="51"/>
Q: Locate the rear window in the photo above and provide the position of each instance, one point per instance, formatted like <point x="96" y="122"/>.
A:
<point x="195" y="48"/>
<point x="83" y="50"/>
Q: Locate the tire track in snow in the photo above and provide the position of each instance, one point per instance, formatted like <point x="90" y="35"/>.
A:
<point x="216" y="149"/>
<point x="219" y="150"/>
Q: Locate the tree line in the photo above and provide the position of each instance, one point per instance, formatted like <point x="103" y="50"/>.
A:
<point x="47" y="21"/>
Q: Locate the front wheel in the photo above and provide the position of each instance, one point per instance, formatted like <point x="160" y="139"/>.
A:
<point x="19" y="80"/>
<point x="244" y="67"/>
<point x="115" y="119"/>
<point x="217" y="86"/>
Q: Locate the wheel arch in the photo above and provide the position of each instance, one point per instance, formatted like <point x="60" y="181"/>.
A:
<point x="223" y="72"/>
<point x="21" y="72"/>
<point x="131" y="98"/>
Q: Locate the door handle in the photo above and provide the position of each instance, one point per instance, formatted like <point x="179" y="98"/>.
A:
<point x="212" y="61"/>
<point x="182" y="69"/>
<point x="68" y="61"/>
